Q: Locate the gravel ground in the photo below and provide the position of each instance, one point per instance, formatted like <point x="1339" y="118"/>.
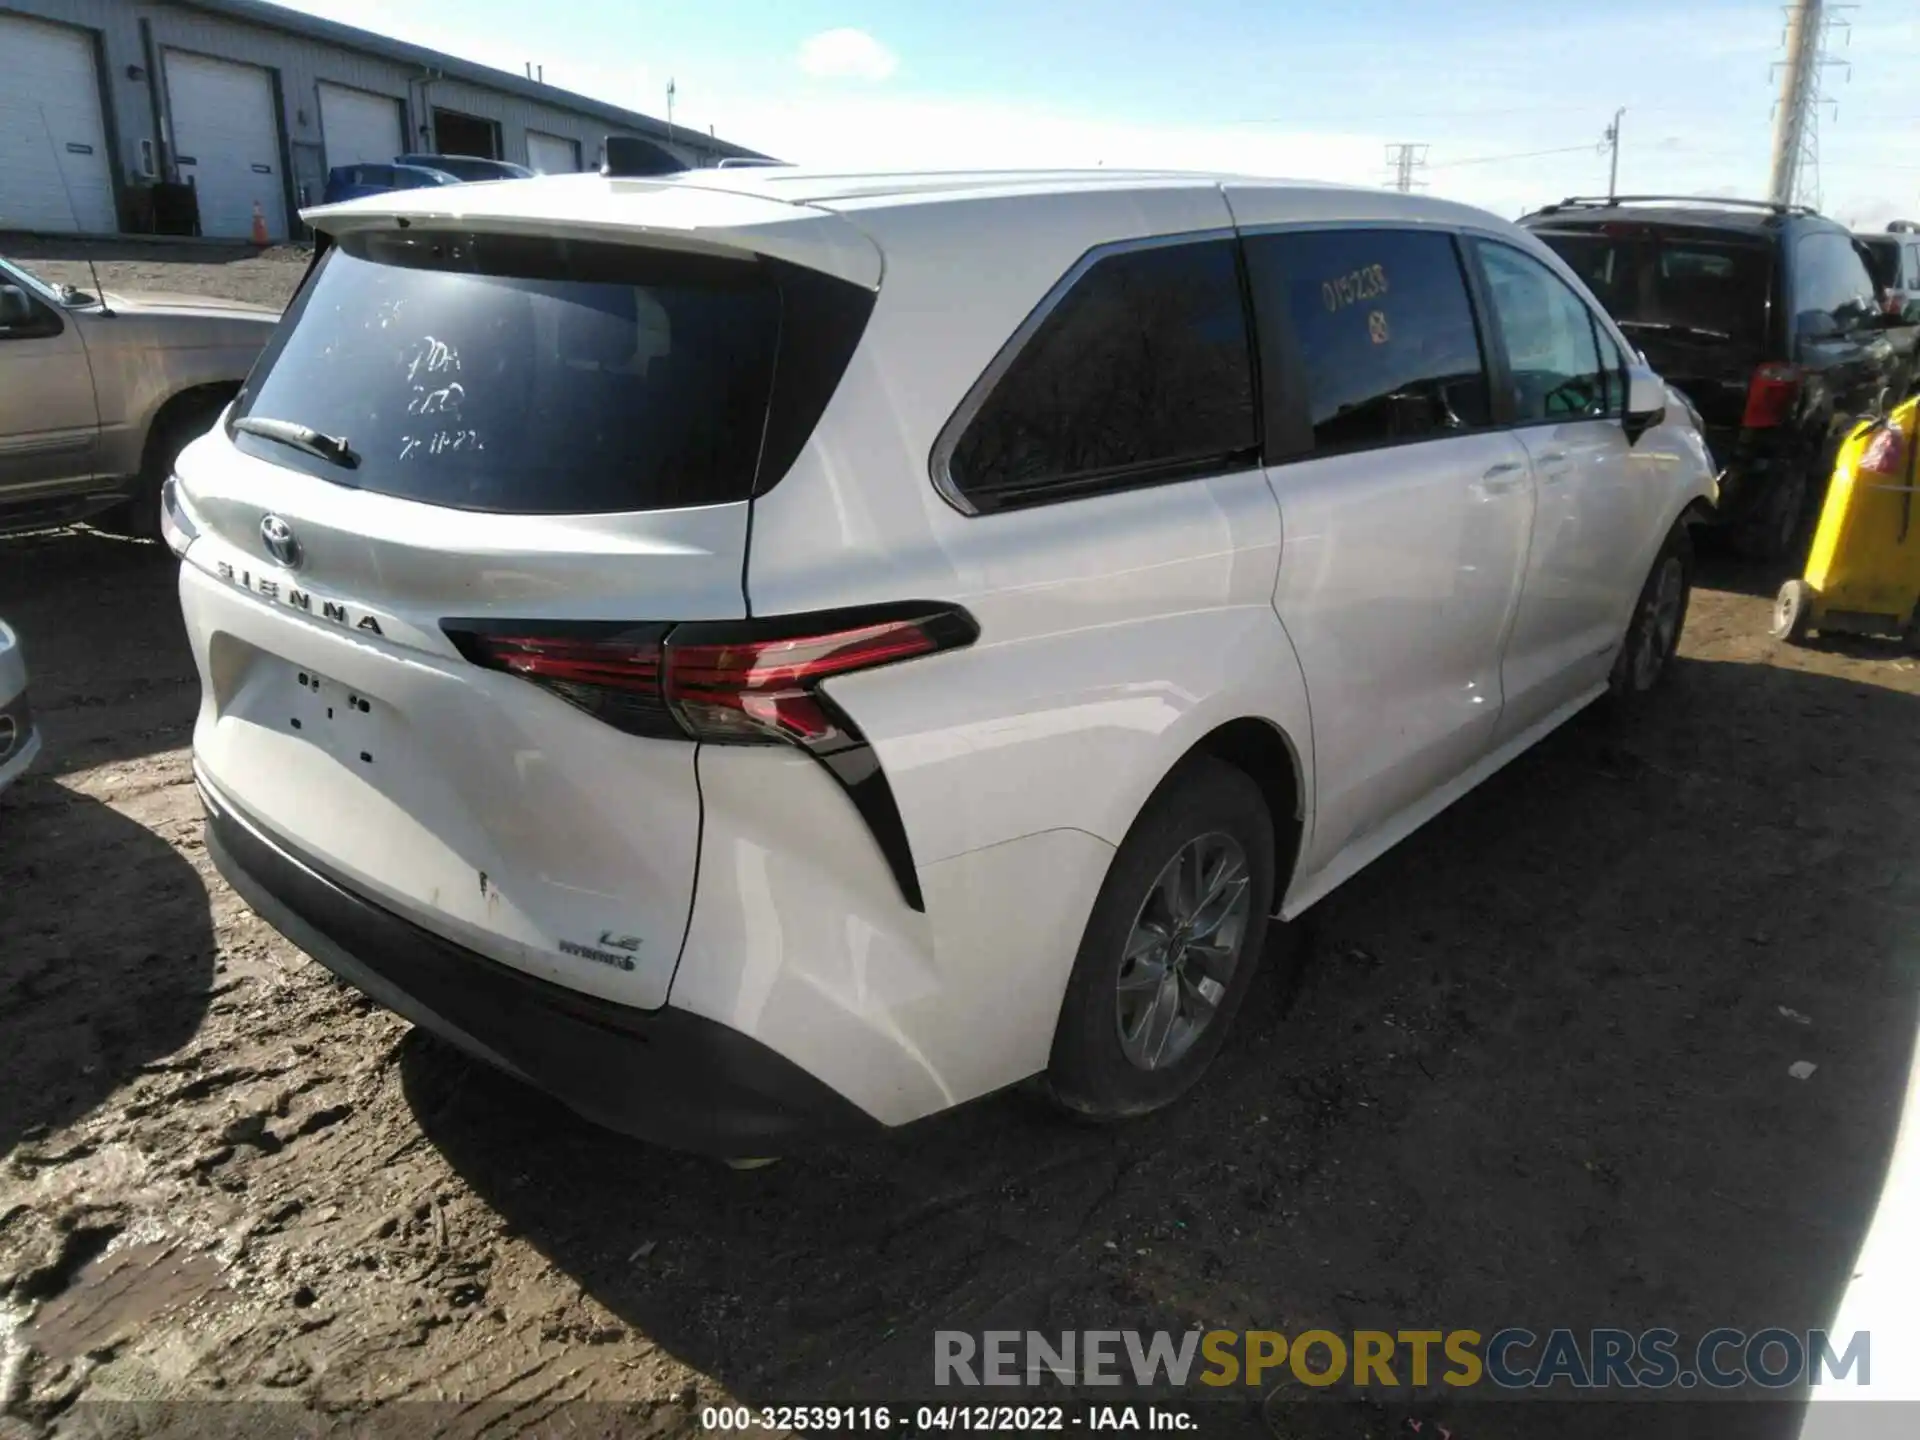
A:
<point x="233" y="272"/>
<point x="1534" y="1070"/>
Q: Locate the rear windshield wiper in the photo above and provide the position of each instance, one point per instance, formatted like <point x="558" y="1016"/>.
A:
<point x="331" y="448"/>
<point x="1694" y="332"/>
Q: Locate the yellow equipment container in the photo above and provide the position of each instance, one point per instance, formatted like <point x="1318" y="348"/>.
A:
<point x="1863" y="572"/>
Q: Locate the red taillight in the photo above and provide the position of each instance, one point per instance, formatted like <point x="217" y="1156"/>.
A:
<point x="610" y="671"/>
<point x="1770" y="396"/>
<point x="1885" y="455"/>
<point x="762" y="689"/>
<point x="622" y="664"/>
<point x="735" y="681"/>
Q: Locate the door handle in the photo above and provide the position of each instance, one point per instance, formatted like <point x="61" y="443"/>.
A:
<point x="1551" y="467"/>
<point x="1507" y="475"/>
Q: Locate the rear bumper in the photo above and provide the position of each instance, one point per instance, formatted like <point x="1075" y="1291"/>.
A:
<point x="668" y="1076"/>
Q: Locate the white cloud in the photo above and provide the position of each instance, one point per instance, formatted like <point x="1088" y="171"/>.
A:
<point x="847" y="54"/>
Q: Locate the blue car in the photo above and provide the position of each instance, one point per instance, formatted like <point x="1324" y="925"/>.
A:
<point x="468" y="167"/>
<point x="350" y="182"/>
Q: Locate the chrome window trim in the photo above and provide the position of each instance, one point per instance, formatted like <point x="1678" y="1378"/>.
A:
<point x="940" y="461"/>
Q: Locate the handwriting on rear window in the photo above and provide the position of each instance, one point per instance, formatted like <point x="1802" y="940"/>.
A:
<point x="430" y="368"/>
<point x="432" y="357"/>
<point x="440" y="442"/>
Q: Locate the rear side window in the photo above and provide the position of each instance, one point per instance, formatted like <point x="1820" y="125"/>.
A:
<point x="1140" y="373"/>
<point x="1830" y="279"/>
<point x="1388" y="352"/>
<point x="1552" y="342"/>
<point x="523" y="375"/>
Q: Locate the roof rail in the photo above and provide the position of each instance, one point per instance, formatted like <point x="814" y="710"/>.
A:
<point x="1596" y="202"/>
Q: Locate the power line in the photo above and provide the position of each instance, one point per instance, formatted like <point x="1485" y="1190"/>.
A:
<point x="1520" y="155"/>
<point x="1385" y="116"/>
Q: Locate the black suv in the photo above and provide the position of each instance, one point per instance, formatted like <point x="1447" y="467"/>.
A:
<point x="1894" y="259"/>
<point x="1765" y="316"/>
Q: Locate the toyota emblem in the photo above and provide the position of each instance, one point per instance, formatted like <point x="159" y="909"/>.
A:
<point x="280" y="541"/>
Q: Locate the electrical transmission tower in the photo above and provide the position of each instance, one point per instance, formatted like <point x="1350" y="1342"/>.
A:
<point x="1403" y="161"/>
<point x="1811" y="25"/>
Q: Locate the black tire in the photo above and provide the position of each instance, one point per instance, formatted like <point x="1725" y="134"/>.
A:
<point x="1659" y="618"/>
<point x="1793" y="612"/>
<point x="1774" y="529"/>
<point x="1090" y="1073"/>
<point x="138" y="517"/>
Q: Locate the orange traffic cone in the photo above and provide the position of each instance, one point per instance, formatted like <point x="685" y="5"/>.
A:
<point x="259" y="225"/>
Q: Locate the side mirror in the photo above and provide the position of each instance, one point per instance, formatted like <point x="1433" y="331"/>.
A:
<point x="1646" y="403"/>
<point x="15" y="307"/>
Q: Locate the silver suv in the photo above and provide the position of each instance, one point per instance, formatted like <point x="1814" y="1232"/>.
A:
<point x="99" y="393"/>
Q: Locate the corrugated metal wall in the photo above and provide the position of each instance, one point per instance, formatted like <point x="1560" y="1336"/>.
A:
<point x="299" y="64"/>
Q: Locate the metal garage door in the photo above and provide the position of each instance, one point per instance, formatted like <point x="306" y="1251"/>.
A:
<point x="359" y="128"/>
<point x="225" y="140"/>
<point x="53" y="147"/>
<point x="552" y="155"/>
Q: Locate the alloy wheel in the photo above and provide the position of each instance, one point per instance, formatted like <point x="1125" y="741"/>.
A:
<point x="1659" y="632"/>
<point x="1182" y="951"/>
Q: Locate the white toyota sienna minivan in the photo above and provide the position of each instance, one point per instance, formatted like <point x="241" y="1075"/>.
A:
<point x="763" y="655"/>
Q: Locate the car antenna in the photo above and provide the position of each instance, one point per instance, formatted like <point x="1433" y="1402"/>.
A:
<point x="73" y="211"/>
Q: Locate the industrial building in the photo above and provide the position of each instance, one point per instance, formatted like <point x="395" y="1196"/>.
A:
<point x="115" y="114"/>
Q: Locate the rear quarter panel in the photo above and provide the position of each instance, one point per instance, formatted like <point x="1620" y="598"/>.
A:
<point x="1116" y="630"/>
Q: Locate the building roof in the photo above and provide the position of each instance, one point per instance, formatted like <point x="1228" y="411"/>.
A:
<point x="277" y="17"/>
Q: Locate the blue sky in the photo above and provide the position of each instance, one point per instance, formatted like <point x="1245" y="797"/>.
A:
<point x="1283" y="87"/>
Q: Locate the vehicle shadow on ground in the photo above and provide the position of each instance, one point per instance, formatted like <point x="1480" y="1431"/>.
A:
<point x="75" y="595"/>
<point x="76" y="1024"/>
<point x="1537" y="1074"/>
<point x="1718" y="568"/>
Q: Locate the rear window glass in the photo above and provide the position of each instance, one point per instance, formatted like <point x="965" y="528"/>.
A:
<point x="533" y="376"/>
<point x="1713" y="287"/>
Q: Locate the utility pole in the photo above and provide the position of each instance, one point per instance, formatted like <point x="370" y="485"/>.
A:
<point x="1796" y="101"/>
<point x="1613" y="144"/>
<point x="1795" y="177"/>
<point x="1403" y="160"/>
<point x="670" y="90"/>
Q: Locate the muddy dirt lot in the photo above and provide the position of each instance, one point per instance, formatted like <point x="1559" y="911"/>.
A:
<point x="1533" y="1071"/>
